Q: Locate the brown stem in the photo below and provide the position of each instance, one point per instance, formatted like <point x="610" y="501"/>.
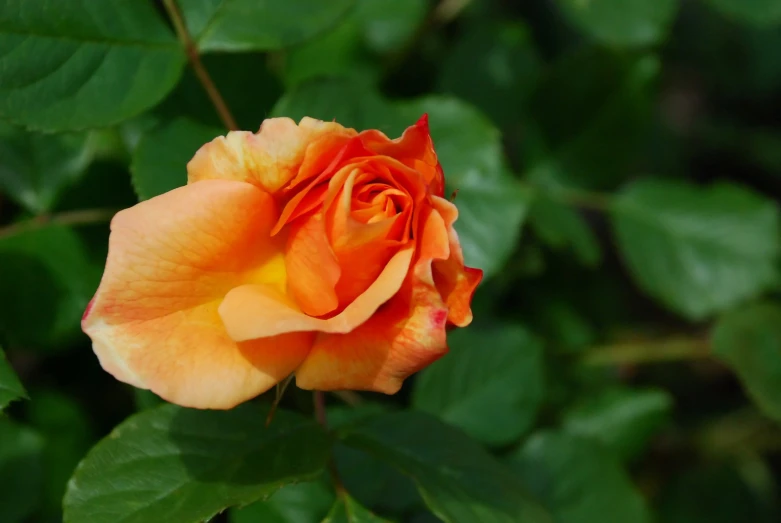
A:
<point x="737" y="432"/>
<point x="80" y="217"/>
<point x="281" y="388"/>
<point x="349" y="397"/>
<point x="588" y="200"/>
<point x="674" y="349"/>
<point x="447" y="10"/>
<point x="319" y="400"/>
<point x="200" y="71"/>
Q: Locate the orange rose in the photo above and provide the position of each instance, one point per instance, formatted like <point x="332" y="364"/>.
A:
<point x="306" y="248"/>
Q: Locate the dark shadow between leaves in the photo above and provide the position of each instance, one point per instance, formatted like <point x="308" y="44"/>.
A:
<point x="31" y="294"/>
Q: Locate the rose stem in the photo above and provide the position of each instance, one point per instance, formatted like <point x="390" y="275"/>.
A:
<point x="200" y="71"/>
<point x="79" y="217"/>
<point x="319" y="400"/>
<point x="280" y="392"/>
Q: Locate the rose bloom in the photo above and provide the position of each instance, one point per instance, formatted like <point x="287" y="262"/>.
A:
<point x="306" y="248"/>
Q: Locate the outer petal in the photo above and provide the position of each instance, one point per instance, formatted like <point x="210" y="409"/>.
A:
<point x="257" y="311"/>
<point x="455" y="282"/>
<point x="405" y="336"/>
<point x="457" y="285"/>
<point x="154" y="320"/>
<point x="270" y="158"/>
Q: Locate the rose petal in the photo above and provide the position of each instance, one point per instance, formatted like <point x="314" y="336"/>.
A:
<point x="414" y="149"/>
<point x="271" y="157"/>
<point x="339" y="201"/>
<point x="188" y="359"/>
<point x="309" y="258"/>
<point x="455" y="282"/>
<point x="405" y="336"/>
<point x="362" y="249"/>
<point x="306" y="191"/>
<point x="326" y="155"/>
<point x="433" y="241"/>
<point x="172" y="259"/>
<point x="257" y="311"/>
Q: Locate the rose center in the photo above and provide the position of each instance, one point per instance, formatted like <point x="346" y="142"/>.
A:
<point x="377" y="201"/>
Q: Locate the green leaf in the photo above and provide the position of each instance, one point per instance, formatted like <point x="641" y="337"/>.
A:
<point x="85" y="64"/>
<point x="297" y="503"/>
<point x="160" y="161"/>
<point x="342" y="415"/>
<point x="559" y="320"/>
<point x="389" y="24"/>
<point x="491" y="204"/>
<point x="21" y="471"/>
<point x="252" y="25"/>
<point x="562" y="227"/>
<point x="578" y="480"/>
<point x="352" y="104"/>
<point x="347" y="510"/>
<point x="493" y="393"/>
<point x="34" y="167"/>
<point x="459" y="481"/>
<point x="146" y="399"/>
<point x="339" y="52"/>
<point x="10" y="387"/>
<point x="179" y="465"/>
<point x="696" y="250"/>
<point x="748" y="340"/>
<point x="46" y="282"/>
<point x="381" y="26"/>
<point x="760" y="13"/>
<point x="623" y="420"/>
<point x="622" y="22"/>
<point x="590" y="114"/>
<point x="495" y="67"/>
<point x="370" y="481"/>
<point x="374" y="483"/>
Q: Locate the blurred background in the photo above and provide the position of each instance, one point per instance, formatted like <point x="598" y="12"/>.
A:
<point x="618" y="168"/>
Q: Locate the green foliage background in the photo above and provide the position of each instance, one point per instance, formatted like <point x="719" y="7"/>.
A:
<point x="617" y="164"/>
